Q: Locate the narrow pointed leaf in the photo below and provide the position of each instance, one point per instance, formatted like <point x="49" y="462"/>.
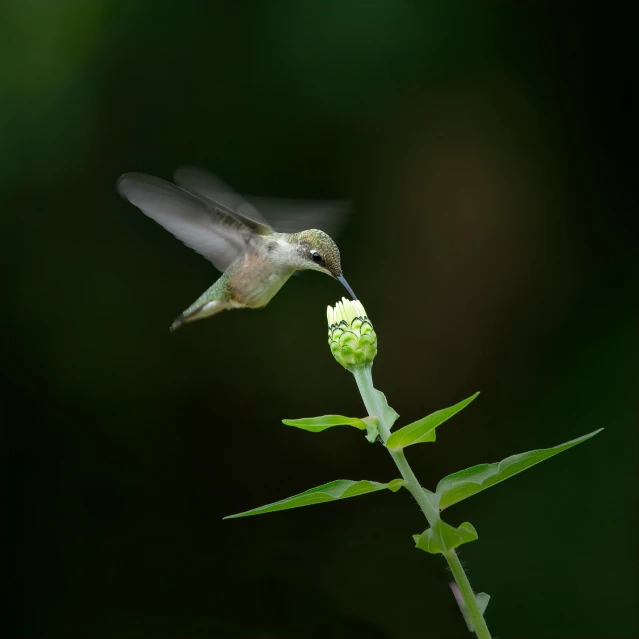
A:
<point x="423" y="430"/>
<point x="465" y="483"/>
<point x="318" y="424"/>
<point x="443" y="537"/>
<point x="338" y="489"/>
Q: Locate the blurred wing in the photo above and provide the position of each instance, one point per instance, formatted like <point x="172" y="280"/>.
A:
<point x="291" y="216"/>
<point x="211" y="188"/>
<point x="283" y="215"/>
<point x="210" y="230"/>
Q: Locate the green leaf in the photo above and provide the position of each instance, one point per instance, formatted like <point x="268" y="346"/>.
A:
<point x="318" y="424"/>
<point x="389" y="416"/>
<point x="395" y="484"/>
<point x="465" y="483"/>
<point x="338" y="489"/>
<point x="372" y="432"/>
<point x="443" y="537"/>
<point x="482" y="603"/>
<point x="423" y="430"/>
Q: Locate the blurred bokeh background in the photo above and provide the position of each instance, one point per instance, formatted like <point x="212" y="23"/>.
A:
<point x="488" y="150"/>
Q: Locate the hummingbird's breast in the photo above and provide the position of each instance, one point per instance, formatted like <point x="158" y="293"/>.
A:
<point x="259" y="276"/>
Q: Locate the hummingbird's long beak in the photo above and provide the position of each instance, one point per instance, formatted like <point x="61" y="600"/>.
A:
<point x="340" y="278"/>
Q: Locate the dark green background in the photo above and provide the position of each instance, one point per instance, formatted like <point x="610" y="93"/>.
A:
<point x="488" y="150"/>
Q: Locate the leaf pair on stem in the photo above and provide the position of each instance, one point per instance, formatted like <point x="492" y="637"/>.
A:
<point x="450" y="490"/>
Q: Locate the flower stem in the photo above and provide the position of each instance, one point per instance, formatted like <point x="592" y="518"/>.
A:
<point x="477" y="619"/>
<point x="373" y="402"/>
<point x="364" y="378"/>
<point x="412" y="484"/>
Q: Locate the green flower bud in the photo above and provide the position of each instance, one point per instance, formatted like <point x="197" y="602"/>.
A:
<point x="350" y="334"/>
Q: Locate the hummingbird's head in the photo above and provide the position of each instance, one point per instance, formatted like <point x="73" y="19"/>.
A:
<point x="320" y="253"/>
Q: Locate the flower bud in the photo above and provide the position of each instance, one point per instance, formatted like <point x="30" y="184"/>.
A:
<point x="350" y="334"/>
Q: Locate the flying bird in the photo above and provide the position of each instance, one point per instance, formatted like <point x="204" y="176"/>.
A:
<point x="255" y="259"/>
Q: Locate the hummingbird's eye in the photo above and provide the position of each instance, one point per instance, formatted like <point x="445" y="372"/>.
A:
<point x="317" y="258"/>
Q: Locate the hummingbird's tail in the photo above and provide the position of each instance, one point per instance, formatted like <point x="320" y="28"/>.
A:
<point x="199" y="312"/>
<point x="179" y="321"/>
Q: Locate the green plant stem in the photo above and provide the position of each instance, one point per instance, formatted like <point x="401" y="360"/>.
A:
<point x="364" y="378"/>
<point x="412" y="484"/>
<point x="373" y="402"/>
<point x="479" y="624"/>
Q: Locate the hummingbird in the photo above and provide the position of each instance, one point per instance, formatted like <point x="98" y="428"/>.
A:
<point x="255" y="260"/>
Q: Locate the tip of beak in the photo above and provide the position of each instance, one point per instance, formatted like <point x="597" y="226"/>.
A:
<point x="340" y="278"/>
